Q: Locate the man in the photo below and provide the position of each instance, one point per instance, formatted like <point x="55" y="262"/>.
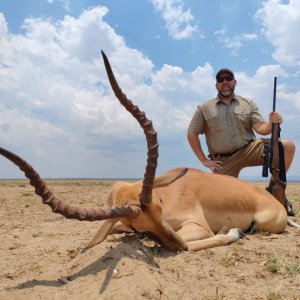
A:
<point x="229" y="123"/>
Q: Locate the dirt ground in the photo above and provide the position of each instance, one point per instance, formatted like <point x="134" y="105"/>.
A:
<point x="40" y="256"/>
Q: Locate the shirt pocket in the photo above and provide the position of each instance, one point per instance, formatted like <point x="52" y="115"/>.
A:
<point x="242" y="118"/>
<point x="214" y="124"/>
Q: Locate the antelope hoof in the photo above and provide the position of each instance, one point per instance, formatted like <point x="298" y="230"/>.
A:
<point x="237" y="233"/>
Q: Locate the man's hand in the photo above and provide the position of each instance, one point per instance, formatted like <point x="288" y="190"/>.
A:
<point x="212" y="164"/>
<point x="265" y="128"/>
<point x="275" y="117"/>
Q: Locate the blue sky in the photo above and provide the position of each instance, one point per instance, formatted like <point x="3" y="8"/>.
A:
<point x="58" y="112"/>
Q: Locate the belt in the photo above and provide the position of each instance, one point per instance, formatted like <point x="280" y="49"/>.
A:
<point x="228" y="154"/>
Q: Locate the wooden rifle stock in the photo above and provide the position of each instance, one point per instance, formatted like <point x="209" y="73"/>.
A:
<point x="278" y="183"/>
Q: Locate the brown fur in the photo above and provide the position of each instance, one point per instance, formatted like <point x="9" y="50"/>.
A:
<point x="189" y="212"/>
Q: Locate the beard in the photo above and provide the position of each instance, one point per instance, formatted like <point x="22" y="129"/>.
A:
<point x="227" y="93"/>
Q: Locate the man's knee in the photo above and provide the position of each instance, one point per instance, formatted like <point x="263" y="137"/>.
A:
<point x="289" y="151"/>
<point x="289" y="146"/>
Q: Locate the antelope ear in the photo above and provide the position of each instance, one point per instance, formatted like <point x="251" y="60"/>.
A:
<point x="101" y="234"/>
<point x="164" y="180"/>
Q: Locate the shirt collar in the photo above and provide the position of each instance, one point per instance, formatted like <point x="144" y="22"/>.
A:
<point x="218" y="100"/>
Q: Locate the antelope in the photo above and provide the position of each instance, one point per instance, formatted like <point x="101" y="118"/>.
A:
<point x="183" y="209"/>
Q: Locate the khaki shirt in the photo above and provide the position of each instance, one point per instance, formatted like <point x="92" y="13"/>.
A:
<point x="226" y="127"/>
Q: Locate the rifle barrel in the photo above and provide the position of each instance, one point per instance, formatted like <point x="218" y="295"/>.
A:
<point x="274" y="93"/>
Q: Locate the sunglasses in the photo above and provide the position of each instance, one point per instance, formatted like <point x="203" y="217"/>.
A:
<point x="227" y="78"/>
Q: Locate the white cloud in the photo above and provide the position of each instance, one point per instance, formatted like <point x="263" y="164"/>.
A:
<point x="3" y="25"/>
<point x="281" y="23"/>
<point x="65" y="4"/>
<point x="55" y="96"/>
<point x="178" y="20"/>
<point x="57" y="107"/>
<point x="54" y="89"/>
<point x="234" y="43"/>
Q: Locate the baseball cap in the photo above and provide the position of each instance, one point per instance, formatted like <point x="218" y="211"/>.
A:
<point x="223" y="71"/>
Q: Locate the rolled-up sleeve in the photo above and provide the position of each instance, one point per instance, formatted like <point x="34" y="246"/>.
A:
<point x="256" y="116"/>
<point x="197" y="124"/>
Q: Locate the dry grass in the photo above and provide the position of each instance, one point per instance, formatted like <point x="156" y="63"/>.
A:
<point x="40" y="251"/>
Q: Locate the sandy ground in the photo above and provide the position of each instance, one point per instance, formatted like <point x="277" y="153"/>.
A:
<point x="40" y="256"/>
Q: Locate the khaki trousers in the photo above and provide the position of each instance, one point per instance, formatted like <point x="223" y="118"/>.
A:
<point x="249" y="156"/>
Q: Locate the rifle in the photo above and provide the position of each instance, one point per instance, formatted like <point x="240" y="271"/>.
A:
<point x="278" y="182"/>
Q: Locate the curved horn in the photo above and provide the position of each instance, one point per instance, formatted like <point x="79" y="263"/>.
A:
<point x="150" y="133"/>
<point x="58" y="206"/>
